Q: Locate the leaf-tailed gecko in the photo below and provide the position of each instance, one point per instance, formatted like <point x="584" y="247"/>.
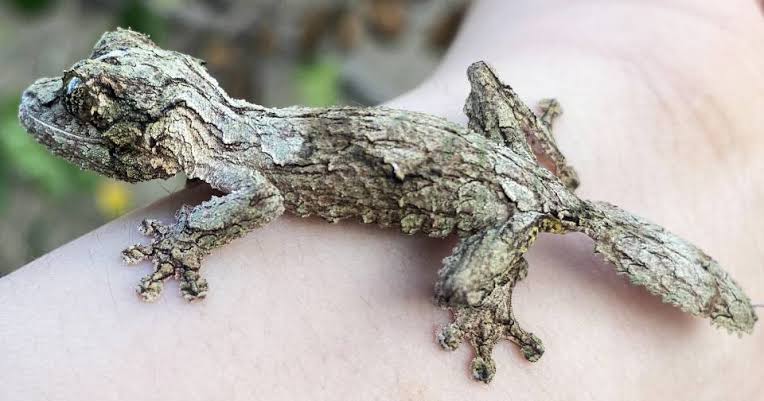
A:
<point x="134" y="111"/>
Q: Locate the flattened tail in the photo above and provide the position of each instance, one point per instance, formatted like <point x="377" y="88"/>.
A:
<point x="668" y="266"/>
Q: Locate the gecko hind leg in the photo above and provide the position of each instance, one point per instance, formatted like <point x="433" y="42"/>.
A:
<point x="545" y="147"/>
<point x="494" y="109"/>
<point x="476" y="284"/>
<point x="485" y="325"/>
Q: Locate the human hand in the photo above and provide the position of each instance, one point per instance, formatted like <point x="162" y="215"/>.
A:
<point x="306" y="310"/>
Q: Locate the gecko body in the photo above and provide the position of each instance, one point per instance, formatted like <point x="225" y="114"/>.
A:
<point x="134" y="111"/>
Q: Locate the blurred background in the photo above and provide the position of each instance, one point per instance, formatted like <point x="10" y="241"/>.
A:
<point x="271" y="52"/>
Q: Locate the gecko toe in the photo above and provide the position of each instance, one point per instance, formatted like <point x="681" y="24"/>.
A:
<point x="150" y="287"/>
<point x="153" y="227"/>
<point x="149" y="290"/>
<point x="136" y="253"/>
<point x="530" y="345"/>
<point x="192" y="285"/>
<point x="450" y="336"/>
<point x="483" y="369"/>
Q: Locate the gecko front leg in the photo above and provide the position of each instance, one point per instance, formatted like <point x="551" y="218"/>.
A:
<point x="177" y="250"/>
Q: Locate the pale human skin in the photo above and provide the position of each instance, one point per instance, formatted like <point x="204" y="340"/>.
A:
<point x="663" y="117"/>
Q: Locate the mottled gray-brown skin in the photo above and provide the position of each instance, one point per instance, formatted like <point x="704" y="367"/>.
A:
<point x="136" y="112"/>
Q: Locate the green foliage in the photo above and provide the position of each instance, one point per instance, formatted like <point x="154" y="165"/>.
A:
<point x="3" y="183"/>
<point x="31" y="6"/>
<point x="136" y="15"/>
<point x="21" y="158"/>
<point x="318" y="83"/>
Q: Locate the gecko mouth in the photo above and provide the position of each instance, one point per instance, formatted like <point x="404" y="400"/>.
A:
<point x="42" y="113"/>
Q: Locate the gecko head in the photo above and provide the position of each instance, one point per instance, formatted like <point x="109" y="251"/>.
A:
<point x="101" y="112"/>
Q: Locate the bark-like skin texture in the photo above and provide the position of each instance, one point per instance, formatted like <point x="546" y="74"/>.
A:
<point x="135" y="112"/>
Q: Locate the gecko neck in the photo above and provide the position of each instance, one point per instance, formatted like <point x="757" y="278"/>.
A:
<point x="235" y="132"/>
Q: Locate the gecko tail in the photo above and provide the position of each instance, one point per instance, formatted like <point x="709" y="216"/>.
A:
<point x="668" y="266"/>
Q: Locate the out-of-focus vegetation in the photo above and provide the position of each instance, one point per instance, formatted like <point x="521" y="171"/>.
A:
<point x="31" y="6"/>
<point x="27" y="163"/>
<point x="319" y="83"/>
<point x="138" y="16"/>
<point x="311" y="52"/>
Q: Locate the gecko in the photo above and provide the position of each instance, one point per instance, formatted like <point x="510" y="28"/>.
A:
<point x="134" y="111"/>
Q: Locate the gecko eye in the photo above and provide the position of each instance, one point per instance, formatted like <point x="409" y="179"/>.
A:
<point x="73" y="84"/>
<point x="85" y="101"/>
<point x="80" y="100"/>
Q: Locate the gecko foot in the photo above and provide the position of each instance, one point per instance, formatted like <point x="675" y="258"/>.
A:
<point x="483" y="326"/>
<point x="174" y="254"/>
